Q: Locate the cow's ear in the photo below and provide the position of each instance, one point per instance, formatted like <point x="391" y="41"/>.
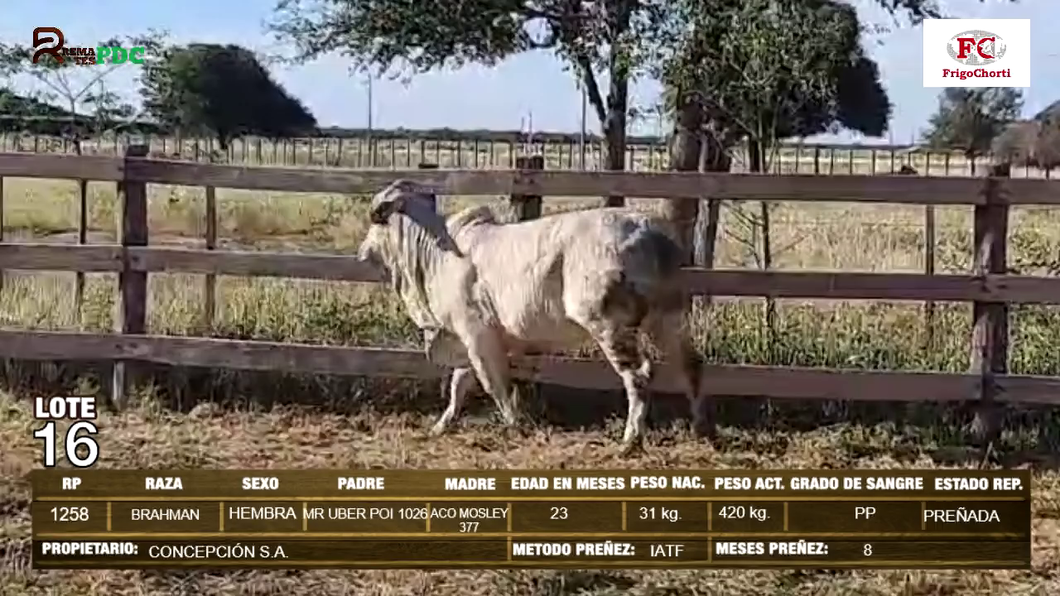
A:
<point x="381" y="212"/>
<point x="388" y="201"/>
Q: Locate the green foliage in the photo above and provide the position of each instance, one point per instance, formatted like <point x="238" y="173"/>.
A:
<point x="1016" y="142"/>
<point x="18" y="112"/>
<point x="401" y="36"/>
<point x="771" y="69"/>
<point x="424" y="35"/>
<point x="1047" y="143"/>
<point x="861" y="101"/>
<point x="970" y="119"/>
<point x="223" y="91"/>
<point x="1034" y="142"/>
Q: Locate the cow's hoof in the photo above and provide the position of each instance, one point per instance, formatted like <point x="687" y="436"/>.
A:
<point x="436" y="431"/>
<point x="706" y="431"/>
<point x="631" y="448"/>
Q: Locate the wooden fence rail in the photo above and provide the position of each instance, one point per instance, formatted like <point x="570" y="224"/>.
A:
<point x="908" y="190"/>
<point x="988" y="286"/>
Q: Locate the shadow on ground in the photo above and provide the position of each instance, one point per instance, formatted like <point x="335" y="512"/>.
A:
<point x="942" y="427"/>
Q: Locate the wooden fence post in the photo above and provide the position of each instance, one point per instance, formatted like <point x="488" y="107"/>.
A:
<point x="1" y="227"/>
<point x="989" y="354"/>
<point x="527" y="207"/>
<point x="82" y="239"/>
<point x="424" y="165"/>
<point x="929" y="261"/>
<point x="929" y="269"/>
<point x="210" y="283"/>
<point x="431" y="166"/>
<point x="131" y="312"/>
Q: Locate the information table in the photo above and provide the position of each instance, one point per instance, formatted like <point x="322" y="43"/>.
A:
<point x="530" y="519"/>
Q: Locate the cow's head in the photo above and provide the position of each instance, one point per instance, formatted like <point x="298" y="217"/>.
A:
<point x="401" y="209"/>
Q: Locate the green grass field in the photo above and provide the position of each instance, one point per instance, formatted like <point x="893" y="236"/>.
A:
<point x="279" y="420"/>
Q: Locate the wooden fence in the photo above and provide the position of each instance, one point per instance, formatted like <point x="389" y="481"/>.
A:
<point x="988" y="286"/>
<point x="385" y="150"/>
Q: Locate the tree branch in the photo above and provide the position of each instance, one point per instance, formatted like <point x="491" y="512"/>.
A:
<point x="591" y="87"/>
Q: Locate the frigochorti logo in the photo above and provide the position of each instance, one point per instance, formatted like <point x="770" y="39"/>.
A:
<point x="976" y="47"/>
<point x="977" y="52"/>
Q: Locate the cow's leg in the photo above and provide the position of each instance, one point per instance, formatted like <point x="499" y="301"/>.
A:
<point x="620" y="347"/>
<point x="459" y="384"/>
<point x="490" y="361"/>
<point x="670" y="334"/>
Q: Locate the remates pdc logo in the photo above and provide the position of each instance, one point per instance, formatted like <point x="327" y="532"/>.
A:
<point x="976" y="47"/>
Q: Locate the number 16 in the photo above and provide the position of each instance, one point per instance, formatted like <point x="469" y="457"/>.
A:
<point x="48" y="434"/>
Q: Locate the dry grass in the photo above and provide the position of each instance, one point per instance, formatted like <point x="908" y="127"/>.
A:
<point x="289" y="437"/>
<point x="354" y="424"/>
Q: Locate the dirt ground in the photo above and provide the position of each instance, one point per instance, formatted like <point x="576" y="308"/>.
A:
<point x="307" y="438"/>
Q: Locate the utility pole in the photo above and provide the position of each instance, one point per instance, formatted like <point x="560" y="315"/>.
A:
<point x="371" y="143"/>
<point x="530" y="132"/>
<point x="581" y="137"/>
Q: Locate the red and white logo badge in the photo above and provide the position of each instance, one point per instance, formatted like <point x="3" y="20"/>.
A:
<point x="976" y="48"/>
<point x="977" y="52"/>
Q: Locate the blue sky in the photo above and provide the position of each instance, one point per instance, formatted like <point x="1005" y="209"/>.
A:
<point x="504" y="96"/>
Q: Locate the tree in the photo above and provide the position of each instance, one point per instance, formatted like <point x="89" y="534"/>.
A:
<point x="756" y="72"/>
<point x="591" y="36"/>
<point x="772" y="69"/>
<point x="970" y="119"/>
<point x="700" y="138"/>
<point x="1034" y="142"/>
<point x="221" y="90"/>
<point x="764" y="70"/>
<point x="21" y="113"/>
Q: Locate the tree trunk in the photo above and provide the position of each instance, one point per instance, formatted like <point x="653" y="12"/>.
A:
<point x="615" y="133"/>
<point x="754" y="156"/>
<point x="712" y="158"/>
<point x="614" y="125"/>
<point x="767" y="264"/>
<point x="706" y="233"/>
<point x="685" y="157"/>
